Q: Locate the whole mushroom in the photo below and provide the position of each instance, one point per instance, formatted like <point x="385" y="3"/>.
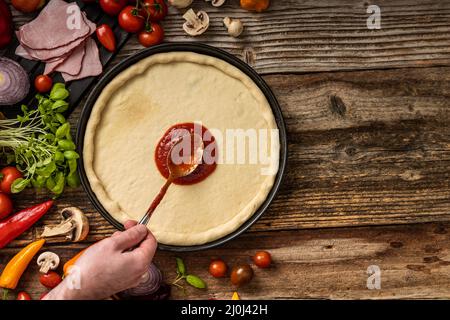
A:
<point x="196" y="23"/>
<point x="235" y="26"/>
<point x="48" y="261"/>
<point x="180" y="4"/>
<point x="74" y="226"/>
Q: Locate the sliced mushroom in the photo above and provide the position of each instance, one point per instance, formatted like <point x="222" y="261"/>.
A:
<point x="235" y="26"/>
<point x="75" y="225"/>
<point x="48" y="261"/>
<point x="216" y="3"/>
<point x="180" y="4"/>
<point x="196" y="23"/>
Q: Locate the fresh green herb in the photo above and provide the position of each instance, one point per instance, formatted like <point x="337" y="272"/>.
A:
<point x="40" y="144"/>
<point x="181" y="268"/>
<point x="190" y="279"/>
<point x="195" y="281"/>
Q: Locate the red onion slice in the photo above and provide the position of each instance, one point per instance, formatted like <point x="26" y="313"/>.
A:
<point x="14" y="82"/>
<point x="151" y="284"/>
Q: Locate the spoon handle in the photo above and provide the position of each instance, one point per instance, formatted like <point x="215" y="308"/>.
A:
<point x="156" y="201"/>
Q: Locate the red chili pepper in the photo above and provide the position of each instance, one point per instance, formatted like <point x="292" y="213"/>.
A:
<point x="17" y="224"/>
<point x="6" y="24"/>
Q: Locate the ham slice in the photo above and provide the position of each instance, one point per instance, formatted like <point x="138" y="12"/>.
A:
<point x="50" y="29"/>
<point x="91" y="66"/>
<point x="51" y="54"/>
<point x="70" y="65"/>
<point x="49" y="38"/>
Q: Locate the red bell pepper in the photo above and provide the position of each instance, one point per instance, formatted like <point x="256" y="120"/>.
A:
<point x="14" y="226"/>
<point x="6" y="24"/>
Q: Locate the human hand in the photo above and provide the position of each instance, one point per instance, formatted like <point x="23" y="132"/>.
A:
<point x="108" y="267"/>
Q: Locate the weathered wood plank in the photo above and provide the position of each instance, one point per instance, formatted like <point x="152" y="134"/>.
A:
<point x="382" y="156"/>
<point x="414" y="262"/>
<point x="308" y="36"/>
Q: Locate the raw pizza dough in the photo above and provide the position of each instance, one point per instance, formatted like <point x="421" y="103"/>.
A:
<point x="134" y="111"/>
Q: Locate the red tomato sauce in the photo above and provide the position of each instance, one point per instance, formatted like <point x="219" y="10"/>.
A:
<point x="172" y="135"/>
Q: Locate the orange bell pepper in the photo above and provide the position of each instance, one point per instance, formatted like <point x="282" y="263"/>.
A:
<point x="71" y="262"/>
<point x="16" y="267"/>
<point x="255" y="5"/>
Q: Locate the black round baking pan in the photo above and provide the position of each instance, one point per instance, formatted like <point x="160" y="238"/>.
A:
<point x="201" y="49"/>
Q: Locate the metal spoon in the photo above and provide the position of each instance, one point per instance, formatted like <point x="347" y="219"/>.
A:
<point x="177" y="170"/>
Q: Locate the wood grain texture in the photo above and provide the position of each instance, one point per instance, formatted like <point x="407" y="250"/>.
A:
<point x="366" y="147"/>
<point x="381" y="155"/>
<point x="308" y="36"/>
<point x="320" y="264"/>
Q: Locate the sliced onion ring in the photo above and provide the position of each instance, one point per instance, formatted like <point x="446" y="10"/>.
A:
<point x="14" y="82"/>
<point x="150" y="284"/>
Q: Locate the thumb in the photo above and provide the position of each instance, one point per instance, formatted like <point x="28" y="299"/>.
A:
<point x="130" y="238"/>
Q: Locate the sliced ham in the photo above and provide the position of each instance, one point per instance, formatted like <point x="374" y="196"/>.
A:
<point x="91" y="65"/>
<point x="70" y="65"/>
<point x="48" y="39"/>
<point x="51" y="54"/>
<point x="50" y="29"/>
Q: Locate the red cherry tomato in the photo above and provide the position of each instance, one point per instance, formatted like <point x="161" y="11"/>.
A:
<point x="131" y="20"/>
<point x="152" y="35"/>
<point x="22" y="295"/>
<point x="7" y="176"/>
<point x="113" y="7"/>
<point x="43" y="83"/>
<point x="218" y="268"/>
<point x="6" y="206"/>
<point x="241" y="275"/>
<point x="262" y="259"/>
<point x="155" y="10"/>
<point x="50" y="280"/>
<point x="106" y="37"/>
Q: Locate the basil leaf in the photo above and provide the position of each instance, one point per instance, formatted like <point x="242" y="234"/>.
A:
<point x="195" y="281"/>
<point x="181" y="268"/>
<point x="19" y="184"/>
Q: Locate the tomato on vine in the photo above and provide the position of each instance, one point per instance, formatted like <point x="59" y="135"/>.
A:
<point x="153" y="34"/>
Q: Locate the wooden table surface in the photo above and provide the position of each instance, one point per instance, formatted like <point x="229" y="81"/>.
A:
<point x="368" y="120"/>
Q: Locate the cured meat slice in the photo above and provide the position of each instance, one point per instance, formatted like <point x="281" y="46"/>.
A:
<point x="52" y="54"/>
<point x="92" y="66"/>
<point x="70" y="65"/>
<point x="52" y="28"/>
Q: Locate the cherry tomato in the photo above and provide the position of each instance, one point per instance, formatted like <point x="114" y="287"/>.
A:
<point x="131" y="20"/>
<point x="27" y="6"/>
<point x="113" y="7"/>
<point x="43" y="83"/>
<point x="218" y="268"/>
<point x="106" y="37"/>
<point x="7" y="176"/>
<point x="262" y="259"/>
<point x="241" y="275"/>
<point x="50" y="279"/>
<point x="22" y="295"/>
<point x="6" y="206"/>
<point x="156" y="10"/>
<point x="152" y="35"/>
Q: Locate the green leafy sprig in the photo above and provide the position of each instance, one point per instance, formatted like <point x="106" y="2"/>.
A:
<point x="191" y="279"/>
<point x="40" y="144"/>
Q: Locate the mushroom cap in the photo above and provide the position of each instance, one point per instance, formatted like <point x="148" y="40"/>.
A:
<point x="217" y="3"/>
<point x="180" y="4"/>
<point x="48" y="261"/>
<point x="80" y="222"/>
<point x="196" y="23"/>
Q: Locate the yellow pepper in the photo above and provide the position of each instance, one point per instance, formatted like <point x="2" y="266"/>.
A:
<point x="71" y="262"/>
<point x="235" y="296"/>
<point x="16" y="267"/>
